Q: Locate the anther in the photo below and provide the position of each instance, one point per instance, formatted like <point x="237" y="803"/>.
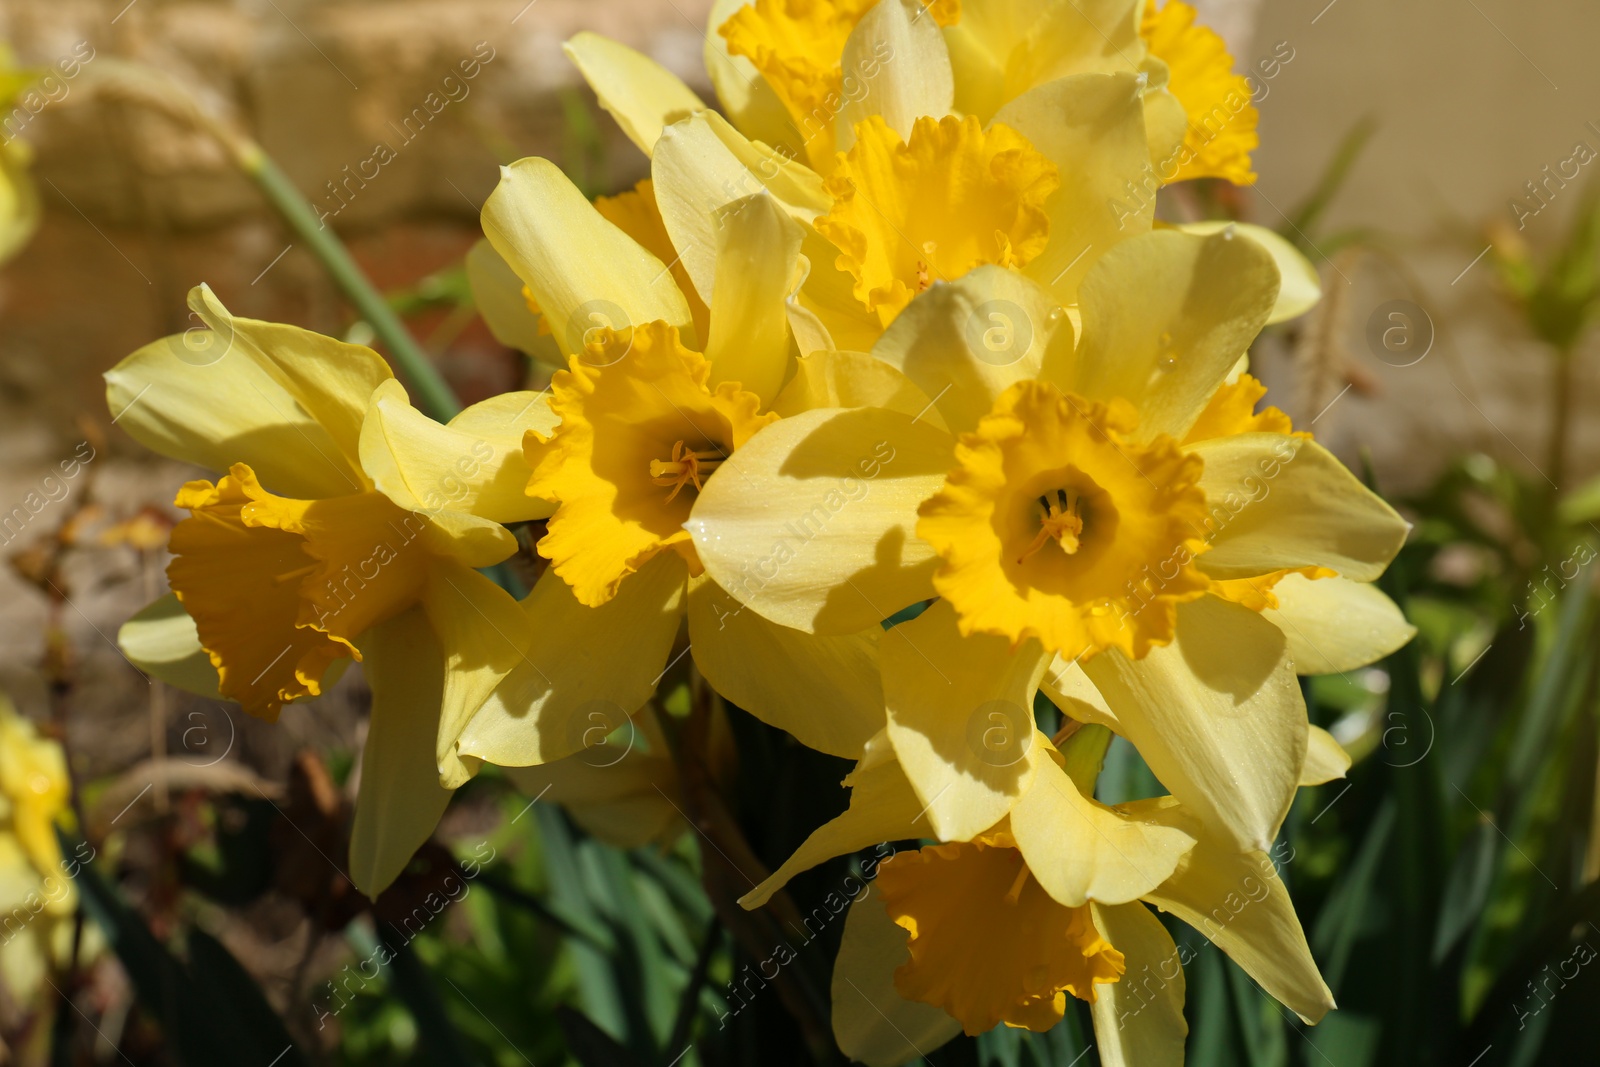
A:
<point x="684" y="468"/>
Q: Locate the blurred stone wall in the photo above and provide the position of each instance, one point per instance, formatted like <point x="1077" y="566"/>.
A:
<point x="138" y="209"/>
<point x="1471" y="101"/>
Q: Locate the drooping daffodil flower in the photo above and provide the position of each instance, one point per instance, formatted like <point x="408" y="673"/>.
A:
<point x="1045" y="904"/>
<point x="1106" y="516"/>
<point x="349" y="526"/>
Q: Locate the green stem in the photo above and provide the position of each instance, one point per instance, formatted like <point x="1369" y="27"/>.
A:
<point x="433" y="393"/>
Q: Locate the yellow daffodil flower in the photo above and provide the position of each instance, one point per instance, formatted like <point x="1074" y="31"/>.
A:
<point x="919" y="197"/>
<point x="350" y="527"/>
<point x="1048" y="902"/>
<point x="947" y="156"/>
<point x="649" y="411"/>
<point x="37" y="897"/>
<point x="19" y="200"/>
<point x="1106" y="516"/>
<point x="799" y="75"/>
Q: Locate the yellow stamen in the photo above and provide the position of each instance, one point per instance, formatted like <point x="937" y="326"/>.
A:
<point x="1014" y="894"/>
<point x="294" y="575"/>
<point x="1063" y="523"/>
<point x="685" y="468"/>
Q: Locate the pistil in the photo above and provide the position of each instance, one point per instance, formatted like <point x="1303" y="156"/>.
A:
<point x="1062" y="521"/>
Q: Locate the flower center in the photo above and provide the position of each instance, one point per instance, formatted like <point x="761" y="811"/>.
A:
<point x="1045" y="466"/>
<point x="956" y="196"/>
<point x="607" y="463"/>
<point x="1062" y="521"/>
<point x="685" y="468"/>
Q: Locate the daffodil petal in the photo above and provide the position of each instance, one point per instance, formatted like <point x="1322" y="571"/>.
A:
<point x="1080" y="850"/>
<point x="1165" y="122"/>
<point x="915" y="81"/>
<point x="883" y="807"/>
<point x="964" y="342"/>
<point x="1336" y="625"/>
<point x="1326" y="759"/>
<point x="1280" y="502"/>
<point x="824" y="690"/>
<point x="1166" y="315"/>
<point x="484" y="633"/>
<point x="331" y="380"/>
<point x="825" y="297"/>
<point x="811" y="334"/>
<point x="475" y="464"/>
<point x="1217" y="715"/>
<point x="757" y="247"/>
<point x="961" y="718"/>
<point x="1070" y="690"/>
<point x="212" y="396"/>
<point x="497" y="291"/>
<point x="746" y="97"/>
<point x="1091" y="126"/>
<point x="620" y="789"/>
<point x="1300" y="287"/>
<point x="467" y="539"/>
<point x="1002" y="48"/>
<point x="400" y="799"/>
<point x="828" y="379"/>
<point x="872" y="1022"/>
<point x="162" y="641"/>
<point x="584" y="273"/>
<point x="1138" y="1019"/>
<point x="581" y="668"/>
<point x="641" y="94"/>
<point x="812" y="523"/>
<point x="1237" y="901"/>
<point x="702" y="164"/>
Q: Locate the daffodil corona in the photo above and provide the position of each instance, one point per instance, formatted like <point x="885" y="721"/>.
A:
<point x="955" y="197"/>
<point x="1053" y="519"/>
<point x="640" y="434"/>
